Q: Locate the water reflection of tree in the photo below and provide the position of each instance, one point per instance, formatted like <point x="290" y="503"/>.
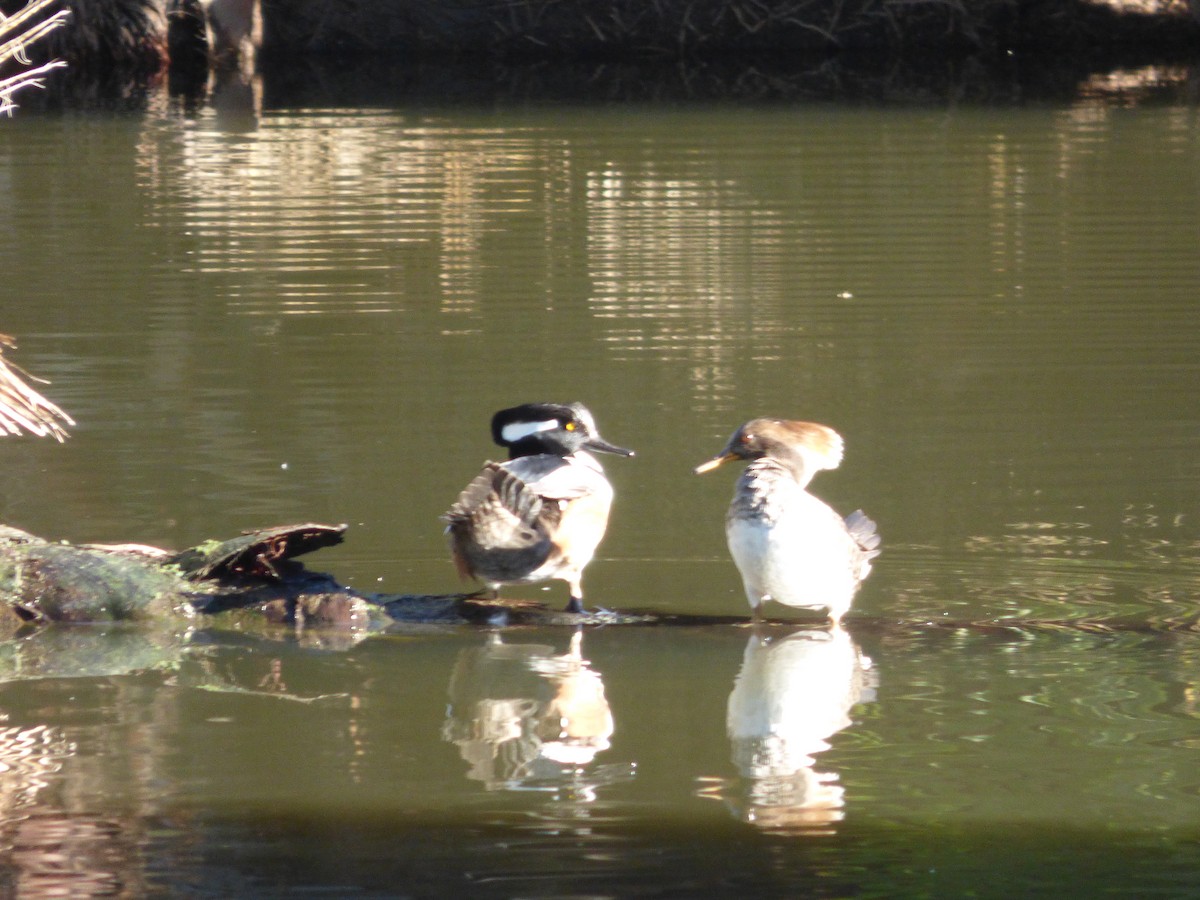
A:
<point x="61" y="834"/>
<point x="91" y="754"/>
<point x="747" y="275"/>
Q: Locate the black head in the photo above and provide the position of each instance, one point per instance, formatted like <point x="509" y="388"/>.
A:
<point x="556" y="428"/>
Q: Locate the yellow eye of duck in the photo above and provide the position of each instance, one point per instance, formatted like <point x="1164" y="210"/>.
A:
<point x="570" y="426"/>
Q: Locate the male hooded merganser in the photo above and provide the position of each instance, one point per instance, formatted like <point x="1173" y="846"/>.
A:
<point x="541" y="514"/>
<point x="788" y="545"/>
<point x="24" y="409"/>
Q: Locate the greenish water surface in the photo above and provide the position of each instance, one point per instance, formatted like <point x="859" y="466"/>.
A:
<point x="309" y="314"/>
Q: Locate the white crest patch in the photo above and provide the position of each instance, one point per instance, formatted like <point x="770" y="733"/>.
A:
<point x="589" y="424"/>
<point x="514" y="431"/>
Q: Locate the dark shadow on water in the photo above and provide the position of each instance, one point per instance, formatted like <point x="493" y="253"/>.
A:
<point x="844" y="78"/>
<point x="855" y="79"/>
<point x="630" y="853"/>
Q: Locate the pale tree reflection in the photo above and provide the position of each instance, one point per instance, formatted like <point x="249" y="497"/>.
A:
<point x="669" y="259"/>
<point x="526" y="716"/>
<point x="794" y="692"/>
<point x="48" y="849"/>
<point x="90" y="750"/>
<point x="58" y="854"/>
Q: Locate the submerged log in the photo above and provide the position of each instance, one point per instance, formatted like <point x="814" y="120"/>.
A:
<point x="255" y="579"/>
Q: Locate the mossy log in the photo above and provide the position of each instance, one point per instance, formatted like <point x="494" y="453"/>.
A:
<point x="257" y="572"/>
<point x="43" y="581"/>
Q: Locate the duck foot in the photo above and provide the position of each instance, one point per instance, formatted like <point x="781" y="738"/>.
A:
<point x="575" y="605"/>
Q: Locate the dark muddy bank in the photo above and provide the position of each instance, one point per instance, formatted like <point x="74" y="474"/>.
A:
<point x="547" y="29"/>
<point x="994" y="51"/>
<point x="844" y="78"/>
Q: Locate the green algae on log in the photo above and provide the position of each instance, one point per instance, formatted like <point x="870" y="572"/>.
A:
<point x="255" y="573"/>
<point x="41" y="581"/>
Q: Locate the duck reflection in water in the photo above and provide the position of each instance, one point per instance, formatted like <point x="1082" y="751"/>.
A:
<point x="794" y="691"/>
<point x="525" y="716"/>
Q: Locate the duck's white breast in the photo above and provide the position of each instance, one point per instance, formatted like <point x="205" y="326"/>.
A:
<point x="789" y="546"/>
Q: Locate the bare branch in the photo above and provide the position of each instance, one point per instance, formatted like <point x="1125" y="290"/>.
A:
<point x="24" y="409"/>
<point x="15" y="39"/>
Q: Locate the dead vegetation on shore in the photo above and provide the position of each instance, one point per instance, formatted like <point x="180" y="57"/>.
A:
<point x="18" y="33"/>
<point x="574" y="28"/>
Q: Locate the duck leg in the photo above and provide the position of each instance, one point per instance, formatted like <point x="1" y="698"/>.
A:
<point x="575" y="604"/>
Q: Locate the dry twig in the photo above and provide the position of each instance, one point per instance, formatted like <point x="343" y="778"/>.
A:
<point x="24" y="409"/>
<point x="16" y="36"/>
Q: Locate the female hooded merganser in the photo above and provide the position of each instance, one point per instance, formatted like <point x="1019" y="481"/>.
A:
<point x="788" y="545"/>
<point x="24" y="409"/>
<point x="541" y="514"/>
